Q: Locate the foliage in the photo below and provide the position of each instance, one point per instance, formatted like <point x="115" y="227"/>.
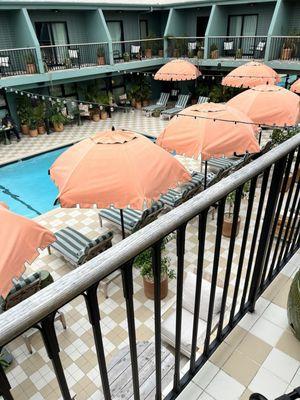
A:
<point x="126" y="56"/>
<point x="140" y="89"/>
<point x="23" y="109"/>
<point x="239" y="53"/>
<point x="100" y="52"/>
<point x="143" y="262"/>
<point x="280" y="135"/>
<point x="30" y="58"/>
<point x="213" y="47"/>
<point x="221" y="94"/>
<point x="39" y="113"/>
<point x="230" y="199"/>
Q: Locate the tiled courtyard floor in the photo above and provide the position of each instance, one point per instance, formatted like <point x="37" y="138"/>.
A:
<point x="259" y="355"/>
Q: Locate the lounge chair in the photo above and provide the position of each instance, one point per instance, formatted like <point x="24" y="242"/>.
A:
<point x="161" y="104"/>
<point x="23" y="288"/>
<point x="168" y="327"/>
<point x="179" y="106"/>
<point x="202" y="99"/>
<point x="224" y="163"/>
<point x="133" y="219"/>
<point x="78" y="249"/>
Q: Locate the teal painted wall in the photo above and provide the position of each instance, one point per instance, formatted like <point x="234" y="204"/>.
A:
<point x="176" y="24"/>
<point x="293" y="25"/>
<point x="189" y="19"/>
<point x="95" y="27"/>
<point x="7" y="29"/>
<point x="217" y="22"/>
<point x="78" y="22"/>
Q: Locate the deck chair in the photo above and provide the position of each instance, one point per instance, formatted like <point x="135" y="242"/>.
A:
<point x="77" y="249"/>
<point x="224" y="163"/>
<point x="23" y="288"/>
<point x="133" y="219"/>
<point x="202" y="99"/>
<point x="179" y="106"/>
<point x="135" y="52"/>
<point x="161" y="104"/>
<point x="4" y="64"/>
<point x="168" y="326"/>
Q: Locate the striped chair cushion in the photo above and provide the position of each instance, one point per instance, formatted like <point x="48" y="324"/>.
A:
<point x="74" y="245"/>
<point x="172" y="198"/>
<point x="132" y="218"/>
<point x="198" y="179"/>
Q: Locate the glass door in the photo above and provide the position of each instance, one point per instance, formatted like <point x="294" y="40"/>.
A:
<point x="116" y="33"/>
<point x="51" y="34"/>
<point x="245" y="27"/>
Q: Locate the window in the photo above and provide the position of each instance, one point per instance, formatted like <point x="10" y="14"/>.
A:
<point x="51" y="33"/>
<point x="243" y="25"/>
<point x="143" y="29"/>
<point x="116" y="33"/>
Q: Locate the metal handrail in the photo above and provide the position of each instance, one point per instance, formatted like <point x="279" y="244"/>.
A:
<point x="238" y="37"/>
<point x="71" y="44"/>
<point x="19" y="48"/>
<point x="26" y="314"/>
<point x="138" y="40"/>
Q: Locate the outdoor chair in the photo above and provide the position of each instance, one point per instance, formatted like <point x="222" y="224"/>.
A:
<point x="77" y="249"/>
<point x="74" y="56"/>
<point x="133" y="219"/>
<point x="258" y="51"/>
<point x="117" y="56"/>
<point x="229" y="49"/>
<point x="168" y="326"/>
<point x="179" y="106"/>
<point x="224" y="163"/>
<point x="202" y="99"/>
<point x="4" y="64"/>
<point x="161" y="104"/>
<point x="135" y="52"/>
<point x="124" y="102"/>
<point x="23" y="288"/>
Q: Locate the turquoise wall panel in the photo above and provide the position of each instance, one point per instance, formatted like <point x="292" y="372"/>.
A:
<point x="189" y="19"/>
<point x="7" y="29"/>
<point x="77" y="22"/>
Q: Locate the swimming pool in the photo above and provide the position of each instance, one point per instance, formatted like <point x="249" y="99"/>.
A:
<point x="26" y="187"/>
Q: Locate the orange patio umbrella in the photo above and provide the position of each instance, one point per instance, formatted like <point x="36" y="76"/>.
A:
<point x="177" y="70"/>
<point x="115" y="168"/>
<point x="268" y="105"/>
<point x="250" y="75"/>
<point x="296" y="87"/>
<point x="20" y="239"/>
<point x="210" y="130"/>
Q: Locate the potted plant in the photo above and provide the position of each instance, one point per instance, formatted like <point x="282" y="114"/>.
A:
<point x="156" y="113"/>
<point x="104" y="100"/>
<point x="30" y="64"/>
<point x="239" y="53"/>
<point x="58" y="120"/>
<point x="214" y="51"/>
<point x="100" y="56"/>
<point x="126" y="56"/>
<point x="228" y="216"/>
<point x="200" y="50"/>
<point x="149" y="46"/>
<point x="33" y="132"/>
<point x="23" y="110"/>
<point x="143" y="263"/>
<point x="39" y="112"/>
<point x="95" y="113"/>
<point x="145" y="93"/>
<point x="287" y="49"/>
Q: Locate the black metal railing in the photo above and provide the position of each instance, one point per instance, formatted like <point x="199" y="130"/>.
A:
<point x="237" y="47"/>
<point x="18" y="62"/>
<point x="190" y="47"/>
<point x="285" y="48"/>
<point x="74" y="56"/>
<point x="135" y="50"/>
<point x="270" y="236"/>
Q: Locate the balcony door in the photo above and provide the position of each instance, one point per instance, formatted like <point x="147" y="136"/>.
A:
<point x="116" y="33"/>
<point x="243" y="25"/>
<point x="53" y="34"/>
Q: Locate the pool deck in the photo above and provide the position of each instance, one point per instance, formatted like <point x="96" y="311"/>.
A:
<point x="27" y="147"/>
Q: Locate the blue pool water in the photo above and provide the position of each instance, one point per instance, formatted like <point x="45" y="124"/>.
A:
<point x="26" y="187"/>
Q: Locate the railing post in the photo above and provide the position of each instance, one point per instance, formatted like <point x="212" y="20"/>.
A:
<point x="110" y="52"/>
<point x="266" y="229"/>
<point x="94" y="317"/>
<point x="47" y="330"/>
<point x="5" y="386"/>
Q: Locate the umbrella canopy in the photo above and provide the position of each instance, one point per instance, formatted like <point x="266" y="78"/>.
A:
<point x="177" y="70"/>
<point x="250" y="75"/>
<point x="115" y="168"/>
<point x="296" y="87"/>
<point x="20" y="246"/>
<point x="268" y="105"/>
<point x="203" y="130"/>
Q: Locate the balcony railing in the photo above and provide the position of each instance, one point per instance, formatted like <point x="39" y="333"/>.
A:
<point x="18" y="62"/>
<point x="135" y="50"/>
<point x="191" y="47"/>
<point x="74" y="55"/>
<point x="286" y="48"/>
<point x="269" y="238"/>
<point x="237" y="47"/>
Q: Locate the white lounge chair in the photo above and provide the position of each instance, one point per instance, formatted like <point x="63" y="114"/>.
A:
<point x="202" y="99"/>
<point x="161" y="104"/>
<point x="168" y="327"/>
<point x="179" y="106"/>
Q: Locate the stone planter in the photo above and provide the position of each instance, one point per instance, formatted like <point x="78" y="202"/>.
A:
<point x="33" y="132"/>
<point x="145" y="103"/>
<point x="286" y="54"/>
<point x="138" y="105"/>
<point x="25" y="129"/>
<point x="41" y="130"/>
<point x="148" y="53"/>
<point x="175" y="53"/>
<point x="214" y="54"/>
<point x="96" y="117"/>
<point x="101" y="60"/>
<point x="227" y="225"/>
<point x="149" y="287"/>
<point x="31" y="68"/>
<point x="160" y="53"/>
<point x="58" y="127"/>
<point x="103" y="114"/>
<point x="293" y="306"/>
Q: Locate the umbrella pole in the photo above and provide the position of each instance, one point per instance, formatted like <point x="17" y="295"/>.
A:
<point x="205" y="174"/>
<point x="122" y="223"/>
<point x="259" y="138"/>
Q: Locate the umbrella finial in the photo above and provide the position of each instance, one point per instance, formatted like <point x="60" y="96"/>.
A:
<point x="113" y="128"/>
